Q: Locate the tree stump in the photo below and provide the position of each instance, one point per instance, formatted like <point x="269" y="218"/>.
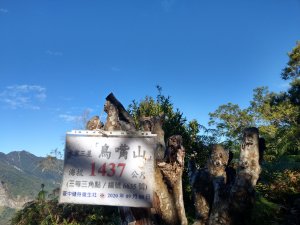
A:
<point x="168" y="207"/>
<point x="221" y="195"/>
<point x="219" y="200"/>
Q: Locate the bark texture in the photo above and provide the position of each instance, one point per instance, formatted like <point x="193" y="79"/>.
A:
<point x="168" y="201"/>
<point x="209" y="186"/>
<point x="221" y="195"/>
<point x="154" y="124"/>
<point x="119" y="119"/>
<point x="242" y="191"/>
<point x="171" y="171"/>
<point x="94" y="123"/>
<point x="168" y="206"/>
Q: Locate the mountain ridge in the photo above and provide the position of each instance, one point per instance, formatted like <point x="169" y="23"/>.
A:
<point x="21" y="176"/>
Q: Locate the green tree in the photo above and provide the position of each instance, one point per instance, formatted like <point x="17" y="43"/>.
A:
<point x="292" y="70"/>
<point x="196" y="137"/>
<point x="278" y="119"/>
<point x="276" y="114"/>
<point x="230" y="121"/>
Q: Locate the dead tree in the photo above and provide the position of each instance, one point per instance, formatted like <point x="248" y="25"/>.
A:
<point x="221" y="195"/>
<point x="171" y="170"/>
<point x="209" y="185"/>
<point x="168" y="207"/>
<point x="219" y="200"/>
<point x="154" y="124"/>
<point x="117" y="117"/>
<point x="242" y="191"/>
<point x="94" y="123"/>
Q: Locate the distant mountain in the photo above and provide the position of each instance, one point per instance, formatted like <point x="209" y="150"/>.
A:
<point x="21" y="176"/>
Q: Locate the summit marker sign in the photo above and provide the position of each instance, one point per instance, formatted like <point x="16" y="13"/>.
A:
<point x="108" y="168"/>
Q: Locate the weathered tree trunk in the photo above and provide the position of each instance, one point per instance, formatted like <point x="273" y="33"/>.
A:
<point x="217" y="168"/>
<point x="168" y="200"/>
<point x="220" y="196"/>
<point x="242" y="192"/>
<point x="119" y="119"/>
<point x="219" y="200"/>
<point x="209" y="186"/>
<point x="154" y="124"/>
<point x="118" y="114"/>
<point x="168" y="206"/>
<point x="171" y="171"/>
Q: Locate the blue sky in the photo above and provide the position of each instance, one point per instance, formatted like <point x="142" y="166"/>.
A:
<point x="59" y="58"/>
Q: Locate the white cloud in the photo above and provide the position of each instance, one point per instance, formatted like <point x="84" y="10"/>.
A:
<point x="54" y="53"/>
<point x="23" y="96"/>
<point x="70" y="118"/>
<point x="79" y="119"/>
<point x="2" y="10"/>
